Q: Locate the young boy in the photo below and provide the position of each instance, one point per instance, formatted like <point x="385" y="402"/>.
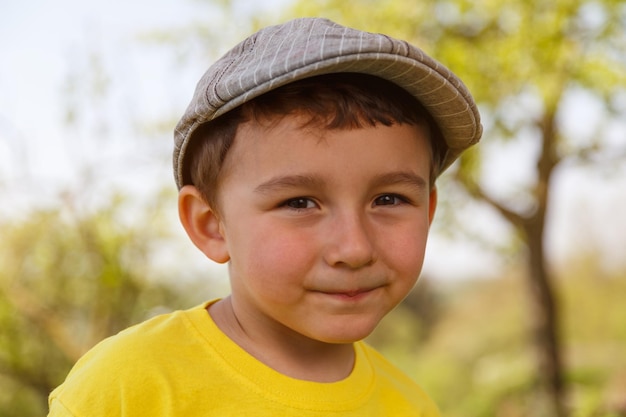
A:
<point x="306" y="160"/>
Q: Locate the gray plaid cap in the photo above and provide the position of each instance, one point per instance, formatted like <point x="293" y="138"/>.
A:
<point x="302" y="48"/>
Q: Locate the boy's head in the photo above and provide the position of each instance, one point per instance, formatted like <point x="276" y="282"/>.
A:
<point x="307" y="160"/>
<point x="292" y="53"/>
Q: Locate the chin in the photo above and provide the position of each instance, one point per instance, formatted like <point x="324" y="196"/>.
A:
<point x="345" y="336"/>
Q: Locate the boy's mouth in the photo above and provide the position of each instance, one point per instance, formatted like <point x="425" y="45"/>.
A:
<point x="352" y="294"/>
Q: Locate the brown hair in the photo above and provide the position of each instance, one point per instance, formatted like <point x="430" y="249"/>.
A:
<point x="331" y="101"/>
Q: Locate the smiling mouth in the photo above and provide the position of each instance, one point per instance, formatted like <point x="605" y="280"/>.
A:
<point x="351" y="294"/>
<point x="355" y="293"/>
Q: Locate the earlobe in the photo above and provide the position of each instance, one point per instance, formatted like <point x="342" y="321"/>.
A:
<point x="202" y="224"/>
<point x="432" y="204"/>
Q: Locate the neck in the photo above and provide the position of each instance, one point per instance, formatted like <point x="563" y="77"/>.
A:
<point x="284" y="350"/>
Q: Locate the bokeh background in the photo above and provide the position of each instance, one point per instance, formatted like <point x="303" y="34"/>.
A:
<point x="520" y="310"/>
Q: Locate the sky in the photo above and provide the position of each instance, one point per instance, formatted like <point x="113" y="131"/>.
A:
<point x="48" y="47"/>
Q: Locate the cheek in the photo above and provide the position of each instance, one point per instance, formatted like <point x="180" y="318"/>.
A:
<point x="274" y="258"/>
<point x="404" y="250"/>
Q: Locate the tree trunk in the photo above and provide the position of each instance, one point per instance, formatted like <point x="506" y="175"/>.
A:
<point x="544" y="305"/>
<point x="545" y="323"/>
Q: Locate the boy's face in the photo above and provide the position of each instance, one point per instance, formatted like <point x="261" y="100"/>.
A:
<point x="325" y="229"/>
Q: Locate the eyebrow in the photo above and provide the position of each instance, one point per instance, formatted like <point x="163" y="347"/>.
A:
<point x="401" y="177"/>
<point x="307" y="181"/>
<point x="288" y="182"/>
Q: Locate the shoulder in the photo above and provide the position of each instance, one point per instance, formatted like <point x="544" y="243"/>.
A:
<point x="384" y="369"/>
<point x="123" y="368"/>
<point x="141" y="343"/>
<point x="395" y="387"/>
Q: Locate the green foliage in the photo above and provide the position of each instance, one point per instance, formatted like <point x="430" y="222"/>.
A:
<point x="476" y="361"/>
<point x="507" y="51"/>
<point x="69" y="278"/>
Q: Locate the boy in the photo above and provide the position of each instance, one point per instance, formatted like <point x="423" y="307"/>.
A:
<point x="306" y="160"/>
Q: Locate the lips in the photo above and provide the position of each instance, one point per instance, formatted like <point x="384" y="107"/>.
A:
<point x="355" y="292"/>
<point x="349" y="294"/>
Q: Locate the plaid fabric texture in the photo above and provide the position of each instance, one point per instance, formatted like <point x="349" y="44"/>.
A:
<point x="306" y="47"/>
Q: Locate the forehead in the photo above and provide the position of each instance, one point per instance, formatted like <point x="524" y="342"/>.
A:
<point x="291" y="143"/>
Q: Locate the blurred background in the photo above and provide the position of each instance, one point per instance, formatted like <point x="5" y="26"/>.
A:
<point x="520" y="309"/>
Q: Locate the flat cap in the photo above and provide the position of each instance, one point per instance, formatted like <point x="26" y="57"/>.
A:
<point x="306" y="47"/>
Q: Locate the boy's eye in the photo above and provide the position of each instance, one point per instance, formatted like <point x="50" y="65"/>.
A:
<point x="300" y="203"/>
<point x="389" y="200"/>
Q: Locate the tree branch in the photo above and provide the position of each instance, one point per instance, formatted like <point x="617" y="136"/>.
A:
<point x="477" y="192"/>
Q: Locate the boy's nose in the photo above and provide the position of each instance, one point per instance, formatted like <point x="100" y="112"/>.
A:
<point x="349" y="243"/>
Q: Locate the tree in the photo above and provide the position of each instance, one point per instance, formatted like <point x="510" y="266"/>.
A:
<point x="523" y="61"/>
<point x="70" y="277"/>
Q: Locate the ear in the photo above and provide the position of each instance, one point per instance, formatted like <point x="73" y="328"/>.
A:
<point x="432" y="204"/>
<point x="202" y="224"/>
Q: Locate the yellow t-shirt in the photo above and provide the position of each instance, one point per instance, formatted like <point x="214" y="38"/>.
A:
<point x="181" y="364"/>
